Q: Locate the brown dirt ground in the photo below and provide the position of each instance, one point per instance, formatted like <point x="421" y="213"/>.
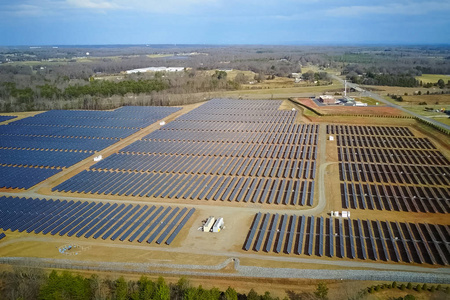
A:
<point x="352" y="110"/>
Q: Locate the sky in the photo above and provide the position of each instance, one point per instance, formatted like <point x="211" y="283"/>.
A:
<point x="304" y="22"/>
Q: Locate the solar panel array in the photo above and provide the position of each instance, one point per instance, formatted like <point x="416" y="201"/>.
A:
<point x="2" y="235"/>
<point x="6" y="118"/>
<point x="374" y="240"/>
<point x="387" y="168"/>
<point x="38" y="147"/>
<point x="24" y="178"/>
<point x="229" y="150"/>
<point x="93" y="219"/>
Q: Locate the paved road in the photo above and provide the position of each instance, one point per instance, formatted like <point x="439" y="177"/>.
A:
<point x="381" y="99"/>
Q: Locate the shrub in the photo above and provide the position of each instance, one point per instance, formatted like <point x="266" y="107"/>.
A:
<point x="425" y="287"/>
<point x="409" y="286"/>
<point x="418" y="288"/>
<point x="422" y="103"/>
<point x="394" y="285"/>
<point x="403" y="287"/>
<point x="432" y="289"/>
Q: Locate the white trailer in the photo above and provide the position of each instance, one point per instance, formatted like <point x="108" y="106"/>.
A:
<point x="209" y="224"/>
<point x="218" y="225"/>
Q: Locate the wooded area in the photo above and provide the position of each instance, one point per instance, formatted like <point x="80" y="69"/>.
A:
<point x="30" y="283"/>
<point x="94" y="78"/>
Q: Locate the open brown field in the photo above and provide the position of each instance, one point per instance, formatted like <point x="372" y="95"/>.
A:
<point x="206" y="257"/>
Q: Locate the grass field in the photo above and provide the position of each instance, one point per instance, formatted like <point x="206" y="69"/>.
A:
<point x="433" y="78"/>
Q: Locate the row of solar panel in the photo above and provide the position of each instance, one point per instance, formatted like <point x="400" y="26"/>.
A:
<point x="55" y="143"/>
<point x="233" y="137"/>
<point x="230" y="126"/>
<point x="384" y="142"/>
<point x="129" y="117"/>
<point x="24" y="178"/>
<point x="125" y="112"/>
<point x="6" y="118"/>
<point x="100" y="123"/>
<point x="391" y="173"/>
<point x="242" y="105"/>
<point x="2" y="235"/>
<point x="392" y="156"/>
<point x="347" y="238"/>
<point x="368" y="130"/>
<point x="424" y="199"/>
<point x="82" y="218"/>
<point x="57" y="131"/>
<point x="234" y="111"/>
<point x="223" y="149"/>
<point x="233" y="166"/>
<point x="182" y="186"/>
<point x="41" y="158"/>
<point x="266" y="118"/>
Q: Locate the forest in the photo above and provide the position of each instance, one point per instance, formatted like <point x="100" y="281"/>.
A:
<point x="34" y="283"/>
<point x="95" y="77"/>
<point x="31" y="283"/>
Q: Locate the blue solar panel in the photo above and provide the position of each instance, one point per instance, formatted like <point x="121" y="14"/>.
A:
<point x="262" y="232"/>
<point x="281" y="233"/>
<point x="251" y="235"/>
<point x="180" y="226"/>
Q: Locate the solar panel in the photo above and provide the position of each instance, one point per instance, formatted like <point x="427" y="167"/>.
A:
<point x="171" y="226"/>
<point x="142" y="224"/>
<point x="291" y="234"/>
<point x="351" y="237"/>
<point x="271" y="233"/>
<point x="281" y="233"/>
<point x="341" y="239"/>
<point x="301" y="231"/>
<point x="321" y="236"/>
<point x="382" y="240"/>
<point x="393" y="241"/>
<point x="154" y="224"/>
<point x="403" y="240"/>
<point x="262" y="232"/>
<point x="361" y="240"/>
<point x="331" y="236"/>
<point x="129" y="210"/>
<point x="129" y="222"/>
<point x="253" y="229"/>
<point x="180" y="226"/>
<point x="425" y="243"/>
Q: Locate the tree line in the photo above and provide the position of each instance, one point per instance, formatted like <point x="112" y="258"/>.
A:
<point x="31" y="283"/>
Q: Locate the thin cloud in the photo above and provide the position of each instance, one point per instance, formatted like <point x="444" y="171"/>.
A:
<point x="95" y="4"/>
<point x="389" y="9"/>
<point x="151" y="6"/>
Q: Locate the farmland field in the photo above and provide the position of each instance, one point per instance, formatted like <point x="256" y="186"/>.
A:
<point x="272" y="177"/>
<point x="432" y="78"/>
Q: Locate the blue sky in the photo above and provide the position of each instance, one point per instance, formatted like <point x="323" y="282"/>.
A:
<point x="71" y="22"/>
